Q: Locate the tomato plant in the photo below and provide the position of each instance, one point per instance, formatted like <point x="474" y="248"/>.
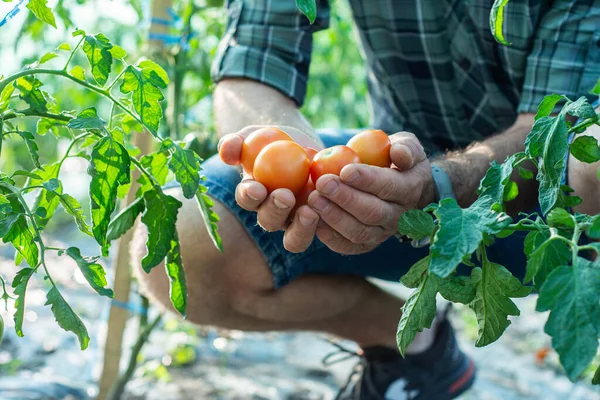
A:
<point x="331" y="161"/>
<point x="256" y="141"/>
<point x="282" y="165"/>
<point x="372" y="147"/>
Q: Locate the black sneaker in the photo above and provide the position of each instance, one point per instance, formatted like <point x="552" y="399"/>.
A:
<point x="440" y="373"/>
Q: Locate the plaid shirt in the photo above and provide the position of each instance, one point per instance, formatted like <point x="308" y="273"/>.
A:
<point x="434" y="68"/>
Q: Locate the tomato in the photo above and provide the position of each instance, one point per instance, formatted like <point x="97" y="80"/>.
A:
<point x="373" y="147"/>
<point x="331" y="161"/>
<point x="256" y="141"/>
<point x="302" y="196"/>
<point x="282" y="164"/>
<point x="311" y="153"/>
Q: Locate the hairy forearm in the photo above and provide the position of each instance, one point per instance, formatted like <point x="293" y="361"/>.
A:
<point x="242" y="102"/>
<point x="468" y="166"/>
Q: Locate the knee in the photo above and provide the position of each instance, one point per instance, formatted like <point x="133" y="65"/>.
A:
<point x="218" y="284"/>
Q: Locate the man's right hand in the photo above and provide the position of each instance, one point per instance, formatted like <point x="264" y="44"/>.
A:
<point x="273" y="210"/>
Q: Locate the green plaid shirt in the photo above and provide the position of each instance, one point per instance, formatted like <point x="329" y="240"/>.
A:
<point x="433" y="66"/>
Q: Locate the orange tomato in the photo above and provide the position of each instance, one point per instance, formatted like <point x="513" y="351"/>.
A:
<point x="373" y="147"/>
<point x="311" y="153"/>
<point x="282" y="165"/>
<point x="331" y="161"/>
<point x="256" y="141"/>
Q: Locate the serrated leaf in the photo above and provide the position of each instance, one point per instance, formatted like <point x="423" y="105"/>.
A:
<point x="45" y="199"/>
<point x="118" y="52"/>
<point x="40" y="9"/>
<point x="459" y="289"/>
<point x="547" y="105"/>
<point x="30" y="93"/>
<point x="66" y="317"/>
<point x="185" y="164"/>
<point x="97" y="49"/>
<point x="418" y="312"/>
<point x="571" y="295"/>
<point x="77" y="72"/>
<point x="20" y="235"/>
<point x="145" y="82"/>
<point x="416" y="224"/>
<point x="19" y="285"/>
<point x="32" y="146"/>
<point x="585" y="148"/>
<point x="87" y="119"/>
<point x="416" y="273"/>
<point x="525" y="173"/>
<point x="93" y="272"/>
<point x="73" y="208"/>
<point x="45" y="125"/>
<point x="492" y="304"/>
<point x="158" y="165"/>
<point x="209" y="216"/>
<point x="308" y="8"/>
<point x="561" y="218"/>
<point x="5" y="97"/>
<point x="580" y="108"/>
<point x="461" y="231"/>
<point x="6" y="222"/>
<point x="176" y="274"/>
<point x="544" y="253"/>
<point x="497" y="20"/>
<point x="593" y="231"/>
<point x="125" y="219"/>
<point x="109" y="168"/>
<point x="160" y="217"/>
<point x="47" y="57"/>
<point x="495" y="183"/>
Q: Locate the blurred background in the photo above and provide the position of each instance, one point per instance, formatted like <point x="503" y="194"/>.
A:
<point x="181" y="361"/>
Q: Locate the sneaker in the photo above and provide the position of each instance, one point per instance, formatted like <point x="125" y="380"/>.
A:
<point x="440" y="373"/>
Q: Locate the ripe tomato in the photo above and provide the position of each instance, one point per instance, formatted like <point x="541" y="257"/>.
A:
<point x="256" y="141"/>
<point x="282" y="164"/>
<point x="331" y="161"/>
<point x="373" y="147"/>
<point x="311" y="153"/>
<point x="302" y="196"/>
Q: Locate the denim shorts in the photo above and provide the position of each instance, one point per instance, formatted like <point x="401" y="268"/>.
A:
<point x="389" y="261"/>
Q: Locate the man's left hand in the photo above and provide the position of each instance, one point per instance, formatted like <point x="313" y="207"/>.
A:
<point x="360" y="209"/>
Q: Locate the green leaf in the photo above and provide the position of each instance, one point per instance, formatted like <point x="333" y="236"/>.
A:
<point x="585" y="148"/>
<point x="7" y="221"/>
<point x="497" y="20"/>
<point x="20" y="235"/>
<point x="459" y="289"/>
<point x="157" y="164"/>
<point x="495" y="183"/>
<point x="125" y="219"/>
<point x="185" y="164"/>
<point x="5" y="97"/>
<point x="45" y="200"/>
<point x="31" y="146"/>
<point x="77" y="72"/>
<point x="97" y="49"/>
<point x="544" y="253"/>
<point x="511" y="192"/>
<point x="87" y="119"/>
<point x="596" y="378"/>
<point x="525" y="173"/>
<point x="417" y="313"/>
<point x="66" y="317"/>
<point x="47" y="57"/>
<point x="561" y="218"/>
<point x="118" y="52"/>
<point x="45" y="125"/>
<point x="416" y="273"/>
<point x="5" y="207"/>
<point x="92" y="271"/>
<point x="160" y="217"/>
<point x="73" y="208"/>
<point x="19" y="285"/>
<point x="28" y="174"/>
<point x="209" y="216"/>
<point x="176" y="274"/>
<point x="64" y="47"/>
<point x="109" y="168"/>
<point x="42" y="11"/>
<point x="593" y="231"/>
<point x="580" y="108"/>
<point x="571" y="295"/>
<point x="308" y="8"/>
<point x="52" y="184"/>
<point x="547" y="105"/>
<point x="596" y="90"/>
<point x="145" y="82"/>
<point x="461" y="231"/>
<point x="492" y="304"/>
<point x="30" y="93"/>
<point x="416" y="224"/>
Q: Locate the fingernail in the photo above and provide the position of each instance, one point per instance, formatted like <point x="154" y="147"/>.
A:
<point x="321" y="204"/>
<point x="330" y="188"/>
<point x="280" y="204"/>
<point x="306" y="221"/>
<point x="353" y="177"/>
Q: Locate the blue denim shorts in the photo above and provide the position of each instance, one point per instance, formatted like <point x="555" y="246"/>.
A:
<point x="389" y="261"/>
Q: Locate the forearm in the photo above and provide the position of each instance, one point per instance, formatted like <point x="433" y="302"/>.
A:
<point x="467" y="167"/>
<point x="241" y="102"/>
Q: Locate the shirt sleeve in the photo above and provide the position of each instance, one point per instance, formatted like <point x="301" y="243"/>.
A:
<point x="565" y="57"/>
<point x="269" y="41"/>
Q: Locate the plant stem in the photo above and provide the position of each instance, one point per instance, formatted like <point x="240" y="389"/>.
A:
<point x="75" y="140"/>
<point x="73" y="53"/>
<point x="110" y="85"/>
<point x="585" y="123"/>
<point x="31" y="113"/>
<point x="144" y="333"/>
<point x="144" y="171"/>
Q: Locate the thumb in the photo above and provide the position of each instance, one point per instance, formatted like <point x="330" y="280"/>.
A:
<point x="406" y="150"/>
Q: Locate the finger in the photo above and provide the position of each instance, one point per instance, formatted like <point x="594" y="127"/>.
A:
<point x="388" y="184"/>
<point x="343" y="222"/>
<point x="274" y="213"/>
<point x="365" y="207"/>
<point x="301" y="232"/>
<point x="406" y="150"/>
<point x="250" y="194"/>
<point x="340" y="244"/>
<point x="230" y="148"/>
